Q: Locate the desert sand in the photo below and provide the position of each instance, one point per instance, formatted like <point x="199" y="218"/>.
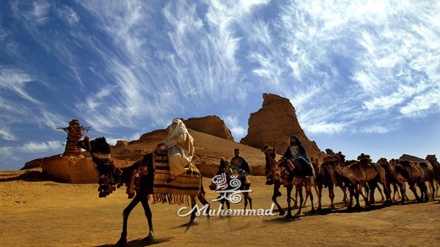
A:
<point x="37" y="212"/>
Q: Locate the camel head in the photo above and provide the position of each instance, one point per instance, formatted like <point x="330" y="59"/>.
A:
<point x="269" y="151"/>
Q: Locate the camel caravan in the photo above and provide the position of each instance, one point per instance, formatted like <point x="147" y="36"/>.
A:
<point x="151" y="178"/>
<point x="360" y="177"/>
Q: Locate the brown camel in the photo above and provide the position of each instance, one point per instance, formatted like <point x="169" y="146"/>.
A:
<point x="363" y="174"/>
<point x="139" y="179"/>
<point x="292" y="175"/>
<point x="327" y="177"/>
<point x="414" y="173"/>
<point x="435" y="164"/>
<point x="273" y="176"/>
<point x="391" y="179"/>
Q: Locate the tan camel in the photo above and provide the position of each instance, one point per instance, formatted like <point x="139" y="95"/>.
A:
<point x="292" y="176"/>
<point x="391" y="180"/>
<point x="363" y="174"/>
<point x="326" y="176"/>
<point x="433" y="160"/>
<point x="273" y="177"/>
<point x="414" y="173"/>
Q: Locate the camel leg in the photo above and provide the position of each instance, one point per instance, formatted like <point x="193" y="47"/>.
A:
<point x="309" y="191"/>
<point x="289" y="198"/>
<point x="320" y="196"/>
<point x="373" y="186"/>
<point x="149" y="215"/>
<point x="424" y="192"/>
<point x="395" y="188"/>
<point x="381" y="194"/>
<point x="295" y="205"/>
<point x="367" y="192"/>
<point x="432" y="189"/>
<point x="125" y="215"/>
<point x="413" y="189"/>
<point x="331" y="195"/>
<point x="344" y="190"/>
<point x="247" y="199"/>
<point x="276" y="193"/>
<point x="351" y="195"/>
<point x="193" y="213"/>
<point x="402" y="187"/>
<point x="202" y="200"/>
<point x="301" y="200"/>
<point x="387" y="188"/>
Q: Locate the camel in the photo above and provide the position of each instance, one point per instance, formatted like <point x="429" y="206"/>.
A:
<point x="391" y="179"/>
<point x="273" y="177"/>
<point x="363" y="174"/>
<point x="414" y="173"/>
<point x="436" y="166"/>
<point x="227" y="179"/>
<point x="327" y="177"/>
<point x="292" y="176"/>
<point x="139" y="179"/>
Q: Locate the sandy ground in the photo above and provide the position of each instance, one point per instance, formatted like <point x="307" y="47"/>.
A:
<point x="35" y="212"/>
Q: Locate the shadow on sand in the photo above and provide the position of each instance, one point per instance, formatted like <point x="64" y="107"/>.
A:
<point x="25" y="175"/>
<point x="140" y="242"/>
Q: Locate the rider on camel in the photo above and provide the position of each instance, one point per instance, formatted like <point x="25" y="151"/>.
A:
<point x="296" y="151"/>
<point x="180" y="146"/>
<point x="240" y="164"/>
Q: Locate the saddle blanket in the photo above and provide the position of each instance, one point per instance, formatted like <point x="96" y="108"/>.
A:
<point x="187" y="184"/>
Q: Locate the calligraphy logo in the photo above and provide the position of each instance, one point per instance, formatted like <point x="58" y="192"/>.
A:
<point x="228" y="188"/>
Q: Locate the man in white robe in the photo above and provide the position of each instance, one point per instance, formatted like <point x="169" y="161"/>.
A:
<point x="180" y="146"/>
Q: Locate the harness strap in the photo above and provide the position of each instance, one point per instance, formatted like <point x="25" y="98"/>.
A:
<point x="101" y="155"/>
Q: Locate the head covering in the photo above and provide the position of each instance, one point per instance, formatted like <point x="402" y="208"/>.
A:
<point x="177" y="127"/>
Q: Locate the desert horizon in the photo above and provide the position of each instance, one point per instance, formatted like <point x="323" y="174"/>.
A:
<point x="38" y="212"/>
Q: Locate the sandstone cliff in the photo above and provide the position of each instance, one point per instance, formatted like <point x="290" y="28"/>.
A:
<point x="211" y="125"/>
<point x="274" y="123"/>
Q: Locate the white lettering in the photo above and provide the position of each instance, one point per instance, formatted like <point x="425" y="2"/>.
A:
<point x="206" y="211"/>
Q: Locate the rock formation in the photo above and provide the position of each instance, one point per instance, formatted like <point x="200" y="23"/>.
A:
<point x="274" y="123"/>
<point x="72" y="166"/>
<point x="74" y="134"/>
<point x="212" y="125"/>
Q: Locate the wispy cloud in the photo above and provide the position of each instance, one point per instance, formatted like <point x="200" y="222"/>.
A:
<point x="366" y="52"/>
<point x="15" y="80"/>
<point x="34" y="147"/>
<point x="6" y="134"/>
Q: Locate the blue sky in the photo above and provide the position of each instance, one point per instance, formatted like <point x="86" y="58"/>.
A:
<point x="363" y="76"/>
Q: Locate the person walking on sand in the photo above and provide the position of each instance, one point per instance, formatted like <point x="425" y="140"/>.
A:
<point x="180" y="146"/>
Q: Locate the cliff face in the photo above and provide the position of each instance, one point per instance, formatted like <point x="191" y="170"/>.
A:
<point x="211" y="125"/>
<point x="274" y="123"/>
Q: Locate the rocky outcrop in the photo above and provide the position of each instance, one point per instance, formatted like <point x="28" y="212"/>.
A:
<point x="121" y="143"/>
<point x="274" y="123"/>
<point x="211" y="125"/>
<point x="70" y="169"/>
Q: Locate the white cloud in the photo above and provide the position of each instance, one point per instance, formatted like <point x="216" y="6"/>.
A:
<point x="376" y="129"/>
<point x="326" y="128"/>
<point x="233" y="125"/>
<point x="34" y="147"/>
<point x="39" y="12"/>
<point x="68" y="15"/>
<point x="6" y="134"/>
<point x="15" y="81"/>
